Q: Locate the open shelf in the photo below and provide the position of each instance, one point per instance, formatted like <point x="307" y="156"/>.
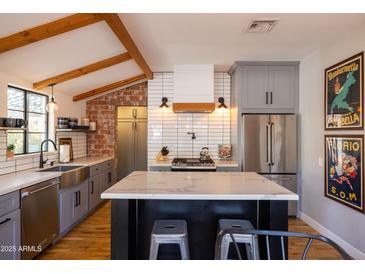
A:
<point x="12" y="128"/>
<point x="73" y="130"/>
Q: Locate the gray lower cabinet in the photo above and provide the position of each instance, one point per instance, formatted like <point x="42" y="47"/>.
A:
<point x="95" y="189"/>
<point x="10" y="236"/>
<point x="98" y="183"/>
<point x="107" y="179"/>
<point x="74" y="204"/>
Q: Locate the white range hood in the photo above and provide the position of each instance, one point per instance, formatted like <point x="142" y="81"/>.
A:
<point x="193" y="88"/>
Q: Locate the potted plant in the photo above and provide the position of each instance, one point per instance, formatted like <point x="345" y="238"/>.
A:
<point x="10" y="151"/>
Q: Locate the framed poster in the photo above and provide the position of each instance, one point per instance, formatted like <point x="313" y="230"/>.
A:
<point x="344" y="94"/>
<point x="344" y="169"/>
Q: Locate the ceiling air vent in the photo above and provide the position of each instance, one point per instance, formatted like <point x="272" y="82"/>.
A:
<point x="262" y="25"/>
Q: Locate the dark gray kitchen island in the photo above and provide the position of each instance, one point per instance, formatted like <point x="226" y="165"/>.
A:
<point x="200" y="198"/>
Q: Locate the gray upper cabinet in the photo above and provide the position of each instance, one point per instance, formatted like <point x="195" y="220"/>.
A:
<point x="266" y="87"/>
<point x="281" y="87"/>
<point x="255" y="87"/>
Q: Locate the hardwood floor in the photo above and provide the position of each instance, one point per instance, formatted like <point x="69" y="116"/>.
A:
<point x="90" y="240"/>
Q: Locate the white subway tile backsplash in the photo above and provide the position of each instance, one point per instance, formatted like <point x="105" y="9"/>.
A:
<point x="168" y="128"/>
<point x="23" y="162"/>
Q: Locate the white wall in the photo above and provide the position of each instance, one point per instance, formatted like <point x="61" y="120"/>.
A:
<point x="66" y="107"/>
<point x="345" y="224"/>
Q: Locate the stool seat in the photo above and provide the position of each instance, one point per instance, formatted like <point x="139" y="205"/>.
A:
<point x="167" y="228"/>
<point x="233" y="223"/>
<point x="169" y="232"/>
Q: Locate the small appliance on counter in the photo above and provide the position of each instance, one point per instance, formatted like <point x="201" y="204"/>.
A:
<point x="193" y="164"/>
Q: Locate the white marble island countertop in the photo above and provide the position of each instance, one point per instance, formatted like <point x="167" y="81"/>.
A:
<point x="197" y="186"/>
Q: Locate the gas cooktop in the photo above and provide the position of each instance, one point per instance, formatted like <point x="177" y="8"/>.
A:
<point x="192" y="163"/>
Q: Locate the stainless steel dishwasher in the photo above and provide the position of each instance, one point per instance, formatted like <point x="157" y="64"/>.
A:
<point x="39" y="217"/>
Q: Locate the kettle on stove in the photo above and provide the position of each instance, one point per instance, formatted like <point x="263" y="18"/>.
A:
<point x="204" y="154"/>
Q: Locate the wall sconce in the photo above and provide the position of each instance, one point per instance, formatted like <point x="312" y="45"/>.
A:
<point x="164" y="102"/>
<point x="221" y="103"/>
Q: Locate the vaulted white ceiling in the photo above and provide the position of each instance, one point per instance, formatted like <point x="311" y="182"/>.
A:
<point x="165" y="40"/>
<point x="220" y="39"/>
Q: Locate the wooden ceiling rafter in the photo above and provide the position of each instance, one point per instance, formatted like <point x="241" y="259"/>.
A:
<point x="48" y="30"/>
<point x="83" y="70"/>
<point x="117" y="26"/>
<point x="73" y="22"/>
<point x="109" y="87"/>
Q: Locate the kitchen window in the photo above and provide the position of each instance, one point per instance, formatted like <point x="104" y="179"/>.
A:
<point x="31" y="107"/>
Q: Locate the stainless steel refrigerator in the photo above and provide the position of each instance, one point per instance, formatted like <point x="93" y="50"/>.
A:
<point x="131" y="140"/>
<point x="270" y="148"/>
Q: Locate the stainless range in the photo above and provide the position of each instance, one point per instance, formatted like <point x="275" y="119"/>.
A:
<point x="192" y="164"/>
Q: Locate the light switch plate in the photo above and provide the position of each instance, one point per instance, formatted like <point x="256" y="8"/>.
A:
<point x="320" y="161"/>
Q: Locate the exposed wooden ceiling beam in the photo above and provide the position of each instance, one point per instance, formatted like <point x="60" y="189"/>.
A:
<point x="47" y="30"/>
<point x="116" y="24"/>
<point x="114" y="85"/>
<point x="83" y="70"/>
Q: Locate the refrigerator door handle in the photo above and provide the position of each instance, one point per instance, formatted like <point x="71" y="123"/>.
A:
<point x="271" y="144"/>
<point x="268" y="144"/>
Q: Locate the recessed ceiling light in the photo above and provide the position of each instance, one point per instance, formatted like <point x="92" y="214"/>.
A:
<point x="262" y="25"/>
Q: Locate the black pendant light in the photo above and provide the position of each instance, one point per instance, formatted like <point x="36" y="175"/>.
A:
<point x="52" y="105"/>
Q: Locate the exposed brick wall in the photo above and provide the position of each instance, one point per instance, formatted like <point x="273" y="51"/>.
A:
<point x="103" y="109"/>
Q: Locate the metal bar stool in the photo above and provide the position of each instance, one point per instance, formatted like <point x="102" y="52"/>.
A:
<point x="268" y="234"/>
<point x="248" y="240"/>
<point x="169" y="232"/>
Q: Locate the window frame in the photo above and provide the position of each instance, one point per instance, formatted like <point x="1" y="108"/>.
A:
<point x="26" y="118"/>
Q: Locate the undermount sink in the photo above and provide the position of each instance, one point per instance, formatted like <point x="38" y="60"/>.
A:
<point x="59" y="169"/>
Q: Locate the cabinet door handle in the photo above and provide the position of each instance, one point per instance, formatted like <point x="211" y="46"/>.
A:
<point x="271" y="97"/>
<point x="110" y="177"/>
<point x="75" y="204"/>
<point x="92" y="187"/>
<point x="79" y="197"/>
<point x="267" y="97"/>
<point x="5" y="221"/>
